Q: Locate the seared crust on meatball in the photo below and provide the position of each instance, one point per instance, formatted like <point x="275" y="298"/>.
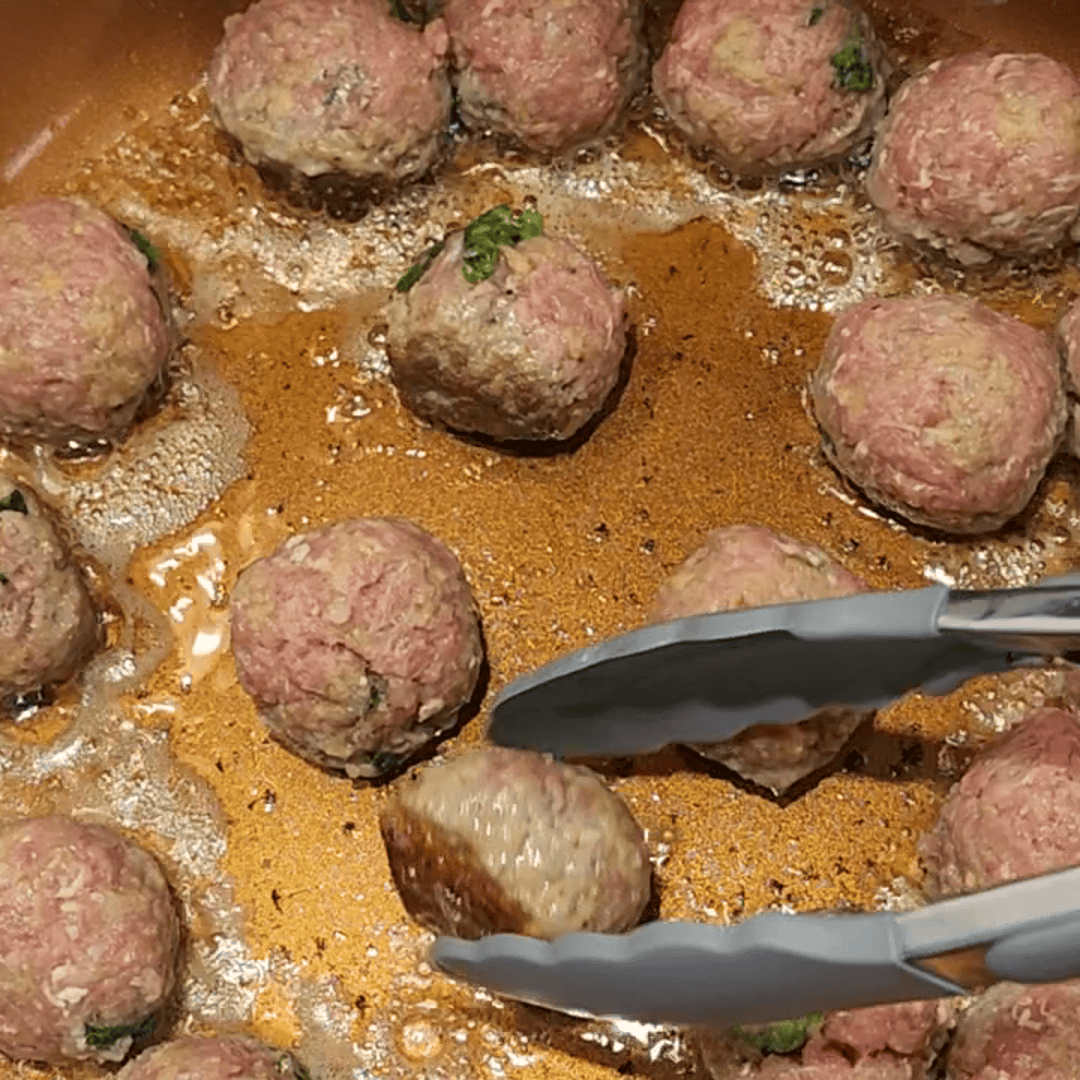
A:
<point x="768" y="85"/>
<point x="48" y="626"/>
<point x="551" y="74"/>
<point x="89" y="944"/>
<point x="501" y="840"/>
<point x="213" y="1058"/>
<point x="1013" y="813"/>
<point x="359" y="642"/>
<point x="940" y="409"/>
<point x="84" y="336"/>
<point x="981" y="154"/>
<point x="339" y="87"/>
<point x="532" y="352"/>
<point x="1019" y="1033"/>
<point x="747" y="566"/>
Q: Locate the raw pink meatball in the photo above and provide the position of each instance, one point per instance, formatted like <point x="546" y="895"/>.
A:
<point x="768" y="85"/>
<point x="1069" y="332"/>
<point x="747" y="566"/>
<point x="1014" y="812"/>
<point x="500" y="840"/>
<point x="551" y="74"/>
<point x="884" y="1042"/>
<point x="214" y="1058"/>
<point x="1019" y="1033"/>
<point x="532" y="352"/>
<point x="359" y="642"/>
<point x="332" y="86"/>
<point x="84" y="335"/>
<point x="906" y="1028"/>
<point x="981" y="154"/>
<point x="940" y="409"/>
<point x="48" y="625"/>
<point x="89" y="943"/>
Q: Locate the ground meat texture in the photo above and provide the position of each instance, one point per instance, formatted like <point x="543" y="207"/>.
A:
<point x="551" y="74"/>
<point x="746" y="566"/>
<point x="1014" y="812"/>
<point x="981" y="154"/>
<point x="530" y="353"/>
<point x="359" y="642"/>
<point x="755" y="82"/>
<point x="89" y="944"/>
<point x="883" y="1042"/>
<point x="218" y="1058"/>
<point x="48" y="625"/>
<point x="314" y="87"/>
<point x="84" y="336"/>
<point x="940" y="409"/>
<point x="1019" y="1033"/>
<point x="1069" y="333"/>
<point x="507" y="841"/>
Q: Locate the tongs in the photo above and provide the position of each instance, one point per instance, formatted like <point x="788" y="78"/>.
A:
<point x="704" y="680"/>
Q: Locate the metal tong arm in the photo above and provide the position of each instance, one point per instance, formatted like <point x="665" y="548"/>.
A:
<point x="775" y="965"/>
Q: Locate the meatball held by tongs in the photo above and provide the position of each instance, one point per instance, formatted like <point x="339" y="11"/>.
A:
<point x="706" y="678"/>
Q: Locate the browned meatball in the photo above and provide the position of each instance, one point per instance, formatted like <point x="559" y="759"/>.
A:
<point x="501" y="840"/>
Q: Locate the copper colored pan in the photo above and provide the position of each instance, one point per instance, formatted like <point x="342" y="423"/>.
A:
<point x="283" y="418"/>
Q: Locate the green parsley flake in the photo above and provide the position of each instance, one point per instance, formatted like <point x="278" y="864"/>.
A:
<point x="15" y="502"/>
<point x="103" y="1037"/>
<point x="815" y="16"/>
<point x="492" y="230"/>
<point x="853" y="70"/>
<point x="782" y="1036"/>
<point x="150" y="253"/>
<point x="418" y="269"/>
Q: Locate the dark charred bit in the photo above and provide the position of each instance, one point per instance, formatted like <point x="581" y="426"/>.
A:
<point x="441" y="882"/>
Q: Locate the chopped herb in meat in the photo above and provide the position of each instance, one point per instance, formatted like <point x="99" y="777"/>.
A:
<point x="102" y="1037"/>
<point x="16" y="502"/>
<point x="4" y="579"/>
<point x="492" y="230"/>
<point x="815" y="16"/>
<point x="417" y="270"/>
<point x="150" y="253"/>
<point x="853" y="70"/>
<point x="783" y="1036"/>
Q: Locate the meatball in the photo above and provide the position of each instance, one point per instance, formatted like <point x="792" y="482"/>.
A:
<point x="500" y="840"/>
<point x="48" y="626"/>
<point x="1069" y="332"/>
<point x="1014" y="812"/>
<point x="1019" y="1033"/>
<point x="89" y="948"/>
<point x="216" y="1058"/>
<point x="530" y="353"/>
<point x="316" y="88"/>
<point x="359" y="642"/>
<point x="940" y="409"/>
<point x="84" y="334"/>
<point x="551" y="74"/>
<point x="746" y="566"/>
<point x="981" y="154"/>
<point x="769" y="85"/>
<point x="905" y="1028"/>
<point x="883" y="1042"/>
